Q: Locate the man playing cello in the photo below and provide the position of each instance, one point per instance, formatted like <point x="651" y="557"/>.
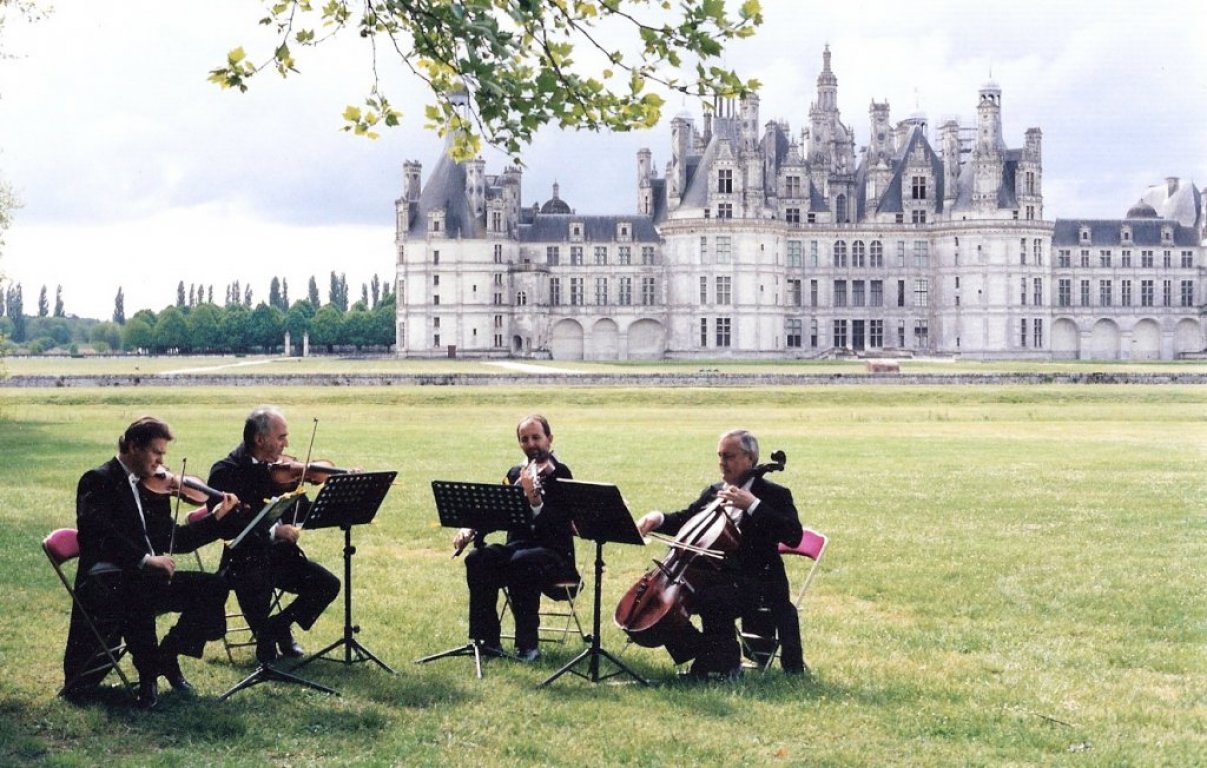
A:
<point x="766" y="516"/>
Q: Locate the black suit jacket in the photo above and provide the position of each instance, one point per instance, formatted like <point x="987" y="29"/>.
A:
<point x="111" y="531"/>
<point x="552" y="527"/>
<point x="774" y="520"/>
<point x="251" y="481"/>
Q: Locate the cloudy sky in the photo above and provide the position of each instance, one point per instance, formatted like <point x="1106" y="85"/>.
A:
<point x="135" y="172"/>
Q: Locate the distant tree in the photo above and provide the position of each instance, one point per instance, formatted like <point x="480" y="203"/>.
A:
<point x="138" y="334"/>
<point x="236" y="322"/>
<point x="16" y="312"/>
<point x="326" y="327"/>
<point x="209" y="295"/>
<point x="383" y="323"/>
<point x="3" y="300"/>
<point x="266" y="327"/>
<point x="274" y="293"/>
<point x="108" y="334"/>
<point x="358" y="327"/>
<point x="376" y="288"/>
<point x="247" y="297"/>
<point x="333" y="290"/>
<point x="313" y="294"/>
<point x="171" y="331"/>
<point x="205" y="332"/>
<point x="119" y="307"/>
<point x="297" y="321"/>
<point x="43" y="303"/>
<point x="192" y="295"/>
<point x="180" y="294"/>
<point x="58" y="302"/>
<point x="284" y="295"/>
<point x="364" y="294"/>
<point x="385" y="289"/>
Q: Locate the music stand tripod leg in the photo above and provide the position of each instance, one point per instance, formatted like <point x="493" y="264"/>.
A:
<point x="348" y="641"/>
<point x="266" y="673"/>
<point x="593" y="653"/>
<point x="471" y="648"/>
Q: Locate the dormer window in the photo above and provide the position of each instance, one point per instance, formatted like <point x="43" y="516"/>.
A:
<point x="624" y="231"/>
<point x="1084" y="235"/>
<point x="435" y="222"/>
<point x="576" y="231"/>
<point x="1166" y="234"/>
<point x="1125" y="234"/>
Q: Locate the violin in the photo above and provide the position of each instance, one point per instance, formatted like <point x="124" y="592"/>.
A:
<point x="659" y="606"/>
<point x="186" y="487"/>
<point x="289" y="471"/>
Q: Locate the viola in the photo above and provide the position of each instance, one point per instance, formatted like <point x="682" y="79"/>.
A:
<point x="659" y="606"/>
<point x="186" y="487"/>
<point x="289" y="471"/>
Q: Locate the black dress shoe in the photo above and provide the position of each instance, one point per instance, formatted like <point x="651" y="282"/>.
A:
<point x="148" y="694"/>
<point x="289" y="647"/>
<point x="171" y="671"/>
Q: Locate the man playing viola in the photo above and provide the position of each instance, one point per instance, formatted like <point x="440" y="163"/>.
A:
<point x="766" y="516"/>
<point x="269" y="557"/>
<point x="127" y="538"/>
<point x="533" y="557"/>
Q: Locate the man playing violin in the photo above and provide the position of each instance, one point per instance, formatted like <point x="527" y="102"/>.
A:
<point x="533" y="557"/>
<point x="127" y="539"/>
<point x="766" y="515"/>
<point x="269" y="557"/>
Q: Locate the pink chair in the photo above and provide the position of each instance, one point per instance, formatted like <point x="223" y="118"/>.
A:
<point x="763" y="650"/>
<point x="61" y="547"/>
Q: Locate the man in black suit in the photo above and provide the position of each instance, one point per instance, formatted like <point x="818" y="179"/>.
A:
<point x="766" y="515"/>
<point x="127" y="539"/>
<point x="269" y="557"/>
<point x="533" y="557"/>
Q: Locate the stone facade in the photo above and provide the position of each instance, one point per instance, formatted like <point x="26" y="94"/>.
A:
<point x="783" y="245"/>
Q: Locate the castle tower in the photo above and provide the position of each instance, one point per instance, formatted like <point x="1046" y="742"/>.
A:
<point x="475" y="187"/>
<point x="987" y="156"/>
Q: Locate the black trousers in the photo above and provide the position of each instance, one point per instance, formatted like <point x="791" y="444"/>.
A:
<point x="524" y="570"/>
<point x="126" y="604"/>
<point x="254" y="576"/>
<point x="763" y="606"/>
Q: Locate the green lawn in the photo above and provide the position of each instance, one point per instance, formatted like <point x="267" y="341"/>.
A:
<point x="1015" y="577"/>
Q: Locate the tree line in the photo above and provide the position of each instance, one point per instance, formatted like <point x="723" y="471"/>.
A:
<point x="195" y="324"/>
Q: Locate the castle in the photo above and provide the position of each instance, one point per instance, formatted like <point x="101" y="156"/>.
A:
<point x="780" y="245"/>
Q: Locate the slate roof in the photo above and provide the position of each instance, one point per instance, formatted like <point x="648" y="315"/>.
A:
<point x="1103" y="232"/>
<point x="555" y="228"/>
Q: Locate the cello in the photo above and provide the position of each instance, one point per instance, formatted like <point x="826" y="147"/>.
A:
<point x="659" y="606"/>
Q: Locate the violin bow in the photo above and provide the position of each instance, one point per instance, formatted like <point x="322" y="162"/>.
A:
<point x="305" y="467"/>
<point x="184" y="463"/>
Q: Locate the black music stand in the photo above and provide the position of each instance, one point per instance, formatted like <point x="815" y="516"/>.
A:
<point x="344" y="501"/>
<point x="600" y="515"/>
<point x="485" y="507"/>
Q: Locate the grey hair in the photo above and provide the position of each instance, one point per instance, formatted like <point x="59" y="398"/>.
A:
<point x="259" y="422"/>
<point x="748" y="442"/>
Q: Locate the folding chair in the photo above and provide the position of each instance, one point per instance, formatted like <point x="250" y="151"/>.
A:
<point x="61" y="547"/>
<point x="240" y="627"/>
<point x="560" y="617"/>
<point x="763" y="648"/>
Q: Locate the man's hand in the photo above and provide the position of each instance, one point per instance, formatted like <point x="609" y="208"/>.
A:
<point x="463" y="538"/>
<point x="736" y="497"/>
<point x="229" y="502"/>
<point x="286" y="532"/>
<point x="161" y="562"/>
<point x="649" y="522"/>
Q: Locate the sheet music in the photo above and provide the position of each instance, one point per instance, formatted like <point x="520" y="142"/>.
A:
<point x="272" y="511"/>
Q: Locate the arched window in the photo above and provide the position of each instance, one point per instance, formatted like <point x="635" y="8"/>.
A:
<point x="857" y="254"/>
<point x="840" y="253"/>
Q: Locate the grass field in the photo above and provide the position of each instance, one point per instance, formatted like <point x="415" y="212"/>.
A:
<point x="1015" y="577"/>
